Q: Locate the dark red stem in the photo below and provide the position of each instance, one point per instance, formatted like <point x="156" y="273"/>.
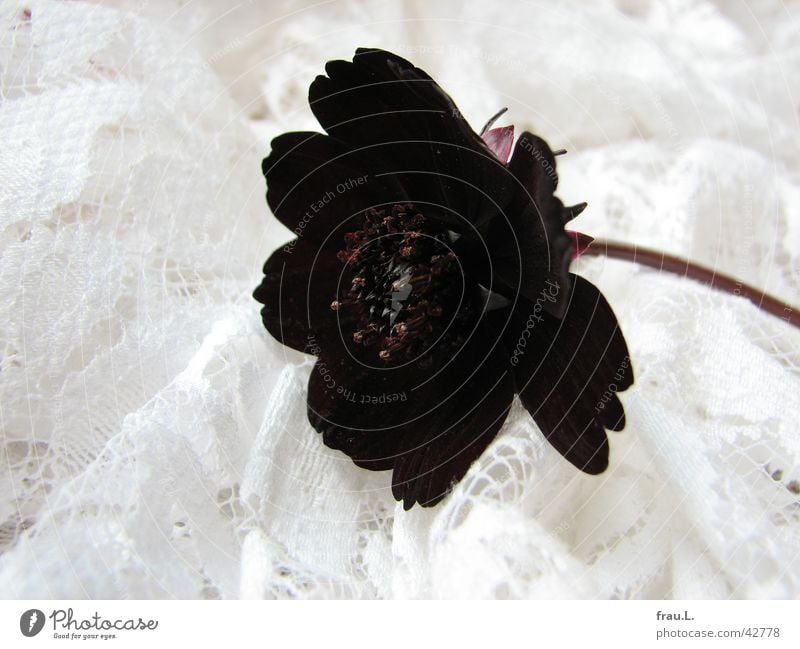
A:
<point x="678" y="266"/>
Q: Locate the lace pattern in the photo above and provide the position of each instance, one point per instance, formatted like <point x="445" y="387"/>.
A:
<point x="154" y="440"/>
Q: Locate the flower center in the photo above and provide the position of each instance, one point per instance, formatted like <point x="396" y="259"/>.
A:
<point x="407" y="284"/>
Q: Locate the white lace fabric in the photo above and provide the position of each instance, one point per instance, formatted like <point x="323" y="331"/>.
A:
<point x="153" y="437"/>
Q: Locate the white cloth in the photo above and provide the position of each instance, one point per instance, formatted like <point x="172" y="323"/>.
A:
<point x="154" y="437"/>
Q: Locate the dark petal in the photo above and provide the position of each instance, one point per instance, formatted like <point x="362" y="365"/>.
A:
<point x="429" y="425"/>
<point x="534" y="166"/>
<point x="362" y="411"/>
<point x="317" y="185"/>
<point x="360" y="408"/>
<point x="299" y="284"/>
<point x="384" y="105"/>
<point x="528" y="253"/>
<point x="528" y="245"/>
<point x="568" y="373"/>
<point x="467" y="406"/>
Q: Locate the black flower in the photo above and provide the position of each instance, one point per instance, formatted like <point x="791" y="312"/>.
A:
<point x="429" y="275"/>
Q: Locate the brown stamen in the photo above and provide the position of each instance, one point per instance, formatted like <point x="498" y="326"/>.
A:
<point x="407" y="282"/>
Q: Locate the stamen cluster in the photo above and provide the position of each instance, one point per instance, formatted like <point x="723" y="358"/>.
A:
<point x="407" y="283"/>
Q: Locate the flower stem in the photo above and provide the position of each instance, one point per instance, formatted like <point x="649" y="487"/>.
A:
<point x="678" y="266"/>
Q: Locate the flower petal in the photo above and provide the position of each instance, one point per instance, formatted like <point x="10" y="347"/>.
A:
<point x="534" y="165"/>
<point x="317" y="185"/>
<point x="428" y="424"/>
<point x="568" y="373"/>
<point x="395" y="111"/>
<point x="526" y="251"/>
<point x="527" y="243"/>
<point x="457" y="429"/>
<point x="360" y="410"/>
<point x="299" y="284"/>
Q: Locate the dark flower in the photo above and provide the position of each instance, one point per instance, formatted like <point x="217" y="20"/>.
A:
<point x="429" y="275"/>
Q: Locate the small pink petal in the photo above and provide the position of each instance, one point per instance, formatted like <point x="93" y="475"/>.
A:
<point x="580" y="242"/>
<point x="500" y="140"/>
